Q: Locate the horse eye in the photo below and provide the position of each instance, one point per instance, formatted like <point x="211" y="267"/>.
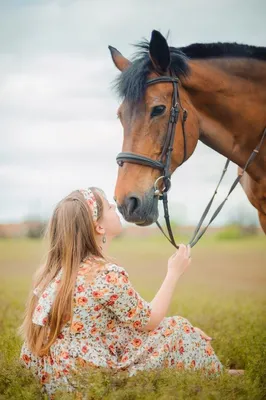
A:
<point x="157" y="110"/>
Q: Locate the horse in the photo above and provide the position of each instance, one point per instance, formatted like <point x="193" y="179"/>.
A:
<point x="222" y="98"/>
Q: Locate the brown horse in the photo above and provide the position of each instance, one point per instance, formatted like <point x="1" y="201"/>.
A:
<point x="223" y="88"/>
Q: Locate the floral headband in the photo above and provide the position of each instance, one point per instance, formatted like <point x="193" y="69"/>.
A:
<point x="91" y="200"/>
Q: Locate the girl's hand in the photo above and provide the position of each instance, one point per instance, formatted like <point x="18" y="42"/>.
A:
<point x="180" y="260"/>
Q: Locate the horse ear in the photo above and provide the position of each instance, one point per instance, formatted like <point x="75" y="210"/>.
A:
<point x="159" y="52"/>
<point x="119" y="60"/>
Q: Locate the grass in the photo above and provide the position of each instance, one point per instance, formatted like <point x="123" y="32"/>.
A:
<point x="223" y="293"/>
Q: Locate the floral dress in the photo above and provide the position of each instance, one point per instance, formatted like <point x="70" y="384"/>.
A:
<point x="105" y="331"/>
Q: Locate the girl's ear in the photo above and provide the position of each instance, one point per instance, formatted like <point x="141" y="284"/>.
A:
<point x="99" y="229"/>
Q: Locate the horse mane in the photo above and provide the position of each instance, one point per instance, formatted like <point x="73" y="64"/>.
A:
<point x="223" y="50"/>
<point x="131" y="83"/>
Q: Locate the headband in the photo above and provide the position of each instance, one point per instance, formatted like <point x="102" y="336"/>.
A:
<point x="91" y="200"/>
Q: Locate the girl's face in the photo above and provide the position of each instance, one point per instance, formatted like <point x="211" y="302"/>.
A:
<point x="110" y="220"/>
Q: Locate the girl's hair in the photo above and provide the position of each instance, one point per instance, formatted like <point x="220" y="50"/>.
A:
<point x="71" y="238"/>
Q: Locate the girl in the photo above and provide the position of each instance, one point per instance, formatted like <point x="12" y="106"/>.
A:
<point x="84" y="310"/>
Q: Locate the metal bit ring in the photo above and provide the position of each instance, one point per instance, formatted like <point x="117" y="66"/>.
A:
<point x="157" y="191"/>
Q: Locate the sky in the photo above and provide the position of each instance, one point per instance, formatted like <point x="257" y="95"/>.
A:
<point x="58" y="125"/>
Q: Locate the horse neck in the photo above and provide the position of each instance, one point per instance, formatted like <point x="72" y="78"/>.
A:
<point x="229" y="98"/>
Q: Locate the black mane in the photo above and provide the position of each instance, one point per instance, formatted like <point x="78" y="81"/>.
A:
<point x="214" y="50"/>
<point x="131" y="83"/>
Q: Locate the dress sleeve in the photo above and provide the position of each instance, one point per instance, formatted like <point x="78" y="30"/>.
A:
<point x="113" y="290"/>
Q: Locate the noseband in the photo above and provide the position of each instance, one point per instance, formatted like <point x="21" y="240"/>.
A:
<point x="164" y="164"/>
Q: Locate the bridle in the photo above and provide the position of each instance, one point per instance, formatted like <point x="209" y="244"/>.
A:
<point x="164" y="164"/>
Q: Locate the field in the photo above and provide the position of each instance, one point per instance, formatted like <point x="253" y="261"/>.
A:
<point x="223" y="293"/>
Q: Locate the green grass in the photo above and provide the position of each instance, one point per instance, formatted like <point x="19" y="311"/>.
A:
<point x="223" y="293"/>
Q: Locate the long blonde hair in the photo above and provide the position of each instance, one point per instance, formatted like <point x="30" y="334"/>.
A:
<point x="71" y="238"/>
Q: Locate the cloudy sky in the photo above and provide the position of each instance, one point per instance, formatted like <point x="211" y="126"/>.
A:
<point x="58" y="125"/>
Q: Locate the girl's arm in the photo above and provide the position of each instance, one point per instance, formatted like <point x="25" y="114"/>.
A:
<point x="161" y="301"/>
<point x="177" y="264"/>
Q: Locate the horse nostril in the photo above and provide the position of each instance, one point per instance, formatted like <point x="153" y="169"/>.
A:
<point x="132" y="204"/>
